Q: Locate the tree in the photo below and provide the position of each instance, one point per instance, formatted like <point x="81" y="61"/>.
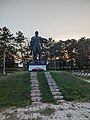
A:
<point x="5" y="42"/>
<point x="71" y="48"/>
<point x="27" y="52"/>
<point x="83" y="53"/>
<point x="20" y="41"/>
<point x="47" y="45"/>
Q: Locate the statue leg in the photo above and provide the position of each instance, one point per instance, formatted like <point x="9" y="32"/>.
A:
<point x="39" y="53"/>
<point x="39" y="57"/>
<point x="34" y="55"/>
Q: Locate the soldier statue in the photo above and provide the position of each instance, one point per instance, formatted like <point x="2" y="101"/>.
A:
<point x="36" y="46"/>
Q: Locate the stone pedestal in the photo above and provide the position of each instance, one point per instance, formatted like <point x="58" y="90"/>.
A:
<point x="37" y="67"/>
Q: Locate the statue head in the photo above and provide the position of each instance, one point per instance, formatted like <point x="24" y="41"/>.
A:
<point x="36" y="33"/>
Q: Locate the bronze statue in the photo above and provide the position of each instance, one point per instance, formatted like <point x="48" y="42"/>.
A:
<point x="36" y="46"/>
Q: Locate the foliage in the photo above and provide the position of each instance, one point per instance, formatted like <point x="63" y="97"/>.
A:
<point x="71" y="52"/>
<point x="47" y="44"/>
<point x="20" y="40"/>
<point x="83" y="56"/>
<point x="6" y="46"/>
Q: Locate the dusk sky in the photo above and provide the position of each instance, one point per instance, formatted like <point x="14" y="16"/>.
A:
<point x="59" y="19"/>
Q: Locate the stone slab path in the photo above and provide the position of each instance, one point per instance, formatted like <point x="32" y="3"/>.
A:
<point x="57" y="94"/>
<point x="36" y="96"/>
<point x="35" y="92"/>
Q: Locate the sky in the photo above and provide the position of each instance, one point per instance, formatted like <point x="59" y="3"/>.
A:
<point x="58" y="19"/>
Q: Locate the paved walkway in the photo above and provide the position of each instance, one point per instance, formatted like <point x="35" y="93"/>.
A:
<point x="57" y="94"/>
<point x="36" y="96"/>
<point x="35" y="92"/>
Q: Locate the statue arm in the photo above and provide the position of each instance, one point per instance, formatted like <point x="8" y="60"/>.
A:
<point x="44" y="40"/>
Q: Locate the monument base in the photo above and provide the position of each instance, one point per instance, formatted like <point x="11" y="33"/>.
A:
<point x="37" y="67"/>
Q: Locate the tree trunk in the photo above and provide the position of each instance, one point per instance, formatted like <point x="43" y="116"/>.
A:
<point x="4" y="57"/>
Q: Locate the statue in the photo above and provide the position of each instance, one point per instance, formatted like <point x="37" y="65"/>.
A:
<point x="36" y="46"/>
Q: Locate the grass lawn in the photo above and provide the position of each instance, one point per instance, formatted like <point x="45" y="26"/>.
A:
<point x="15" y="89"/>
<point x="86" y="77"/>
<point x="72" y="87"/>
<point x="45" y="90"/>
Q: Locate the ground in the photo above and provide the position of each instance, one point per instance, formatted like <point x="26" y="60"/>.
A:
<point x="64" y="111"/>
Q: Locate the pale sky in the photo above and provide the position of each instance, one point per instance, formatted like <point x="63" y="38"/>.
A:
<point x="59" y="19"/>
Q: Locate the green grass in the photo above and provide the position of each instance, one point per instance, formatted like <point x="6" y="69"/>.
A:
<point x="86" y="77"/>
<point x="72" y="87"/>
<point x="45" y="90"/>
<point x="9" y="70"/>
<point x="15" y="89"/>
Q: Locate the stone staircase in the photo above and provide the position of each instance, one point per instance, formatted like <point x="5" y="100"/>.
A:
<point x="35" y="91"/>
<point x="36" y="96"/>
<point x="54" y="88"/>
